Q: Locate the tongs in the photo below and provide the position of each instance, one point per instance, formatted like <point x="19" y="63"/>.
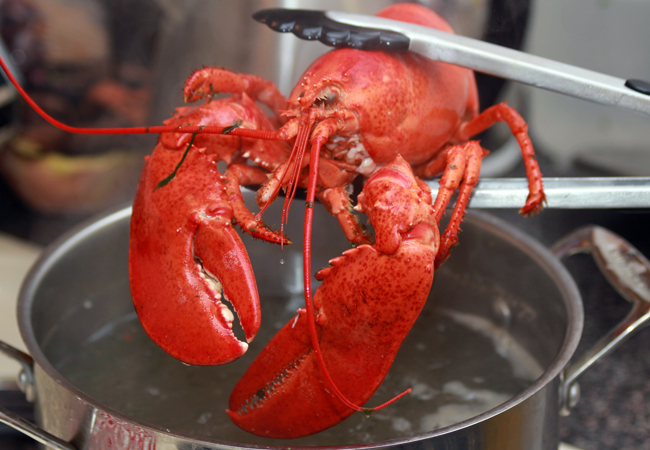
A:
<point x="341" y="29"/>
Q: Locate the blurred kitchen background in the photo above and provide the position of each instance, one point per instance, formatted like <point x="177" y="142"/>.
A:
<point x="114" y="63"/>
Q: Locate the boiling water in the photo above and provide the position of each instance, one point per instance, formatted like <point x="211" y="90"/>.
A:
<point x="458" y="365"/>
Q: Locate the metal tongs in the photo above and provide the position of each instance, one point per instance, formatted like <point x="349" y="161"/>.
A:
<point x="340" y="29"/>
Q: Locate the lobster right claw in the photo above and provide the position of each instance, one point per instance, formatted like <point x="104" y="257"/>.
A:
<point x="183" y="251"/>
<point x="368" y="301"/>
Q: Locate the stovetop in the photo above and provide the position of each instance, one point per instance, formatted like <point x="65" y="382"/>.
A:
<point x="614" y="411"/>
<point x="10" y="439"/>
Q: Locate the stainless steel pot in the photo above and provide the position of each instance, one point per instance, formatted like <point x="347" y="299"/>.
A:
<point x="488" y="358"/>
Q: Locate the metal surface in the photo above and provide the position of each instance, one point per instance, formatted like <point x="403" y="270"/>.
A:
<point x="85" y="402"/>
<point x="59" y="309"/>
<point x="33" y="431"/>
<point x="26" y="377"/>
<point x="510" y="64"/>
<point x="628" y="271"/>
<point x="563" y="193"/>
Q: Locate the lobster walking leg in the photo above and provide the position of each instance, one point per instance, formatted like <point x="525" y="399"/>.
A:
<point x="364" y="308"/>
<point x="462" y="172"/>
<point x="504" y="113"/>
<point x="209" y="81"/>
<point x="241" y="174"/>
<point x="337" y="202"/>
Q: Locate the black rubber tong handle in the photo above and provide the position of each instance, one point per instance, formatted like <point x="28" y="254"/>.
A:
<point x="315" y="25"/>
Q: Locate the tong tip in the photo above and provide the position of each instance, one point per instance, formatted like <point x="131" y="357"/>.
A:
<point x="316" y="25"/>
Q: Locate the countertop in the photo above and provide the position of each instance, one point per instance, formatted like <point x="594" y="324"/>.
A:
<point x="614" y="411"/>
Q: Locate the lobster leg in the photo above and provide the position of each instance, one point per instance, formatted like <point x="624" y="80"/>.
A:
<point x="337" y="202"/>
<point x="209" y="81"/>
<point x="364" y="308"/>
<point x="462" y="172"/>
<point x="242" y="174"/>
<point x="335" y="199"/>
<point x="460" y="166"/>
<point x="504" y="113"/>
<point x="278" y="178"/>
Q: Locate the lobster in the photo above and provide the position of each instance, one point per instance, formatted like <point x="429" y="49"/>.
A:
<point x="391" y="117"/>
<point x="361" y="111"/>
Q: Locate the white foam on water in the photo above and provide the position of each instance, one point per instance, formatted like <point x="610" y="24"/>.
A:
<point x="469" y="403"/>
<point x="523" y="365"/>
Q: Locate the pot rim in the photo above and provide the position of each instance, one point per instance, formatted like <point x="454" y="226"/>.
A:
<point x="529" y="245"/>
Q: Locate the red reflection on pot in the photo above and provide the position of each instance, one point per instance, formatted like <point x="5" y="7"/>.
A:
<point x="110" y="433"/>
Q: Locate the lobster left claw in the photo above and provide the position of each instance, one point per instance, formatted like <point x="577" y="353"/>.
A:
<point x="369" y="300"/>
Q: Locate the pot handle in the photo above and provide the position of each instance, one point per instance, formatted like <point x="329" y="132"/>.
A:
<point x="628" y="271"/>
<point x="26" y="382"/>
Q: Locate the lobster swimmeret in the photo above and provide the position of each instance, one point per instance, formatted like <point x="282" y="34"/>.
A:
<point x="379" y="115"/>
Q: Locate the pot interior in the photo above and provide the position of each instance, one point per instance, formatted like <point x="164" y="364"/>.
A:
<point x="497" y="318"/>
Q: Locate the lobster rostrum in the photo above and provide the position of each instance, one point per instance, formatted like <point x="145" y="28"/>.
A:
<point x="391" y="117"/>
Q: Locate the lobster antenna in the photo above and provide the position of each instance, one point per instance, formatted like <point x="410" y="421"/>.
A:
<point x="234" y="130"/>
<point x="297" y="155"/>
<point x="301" y="145"/>
<point x="277" y="188"/>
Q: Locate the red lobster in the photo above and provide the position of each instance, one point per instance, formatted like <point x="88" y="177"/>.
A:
<point x="363" y="113"/>
<point x="360" y="111"/>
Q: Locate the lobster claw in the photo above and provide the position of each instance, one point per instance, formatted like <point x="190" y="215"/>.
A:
<point x="367" y="303"/>
<point x="183" y="252"/>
